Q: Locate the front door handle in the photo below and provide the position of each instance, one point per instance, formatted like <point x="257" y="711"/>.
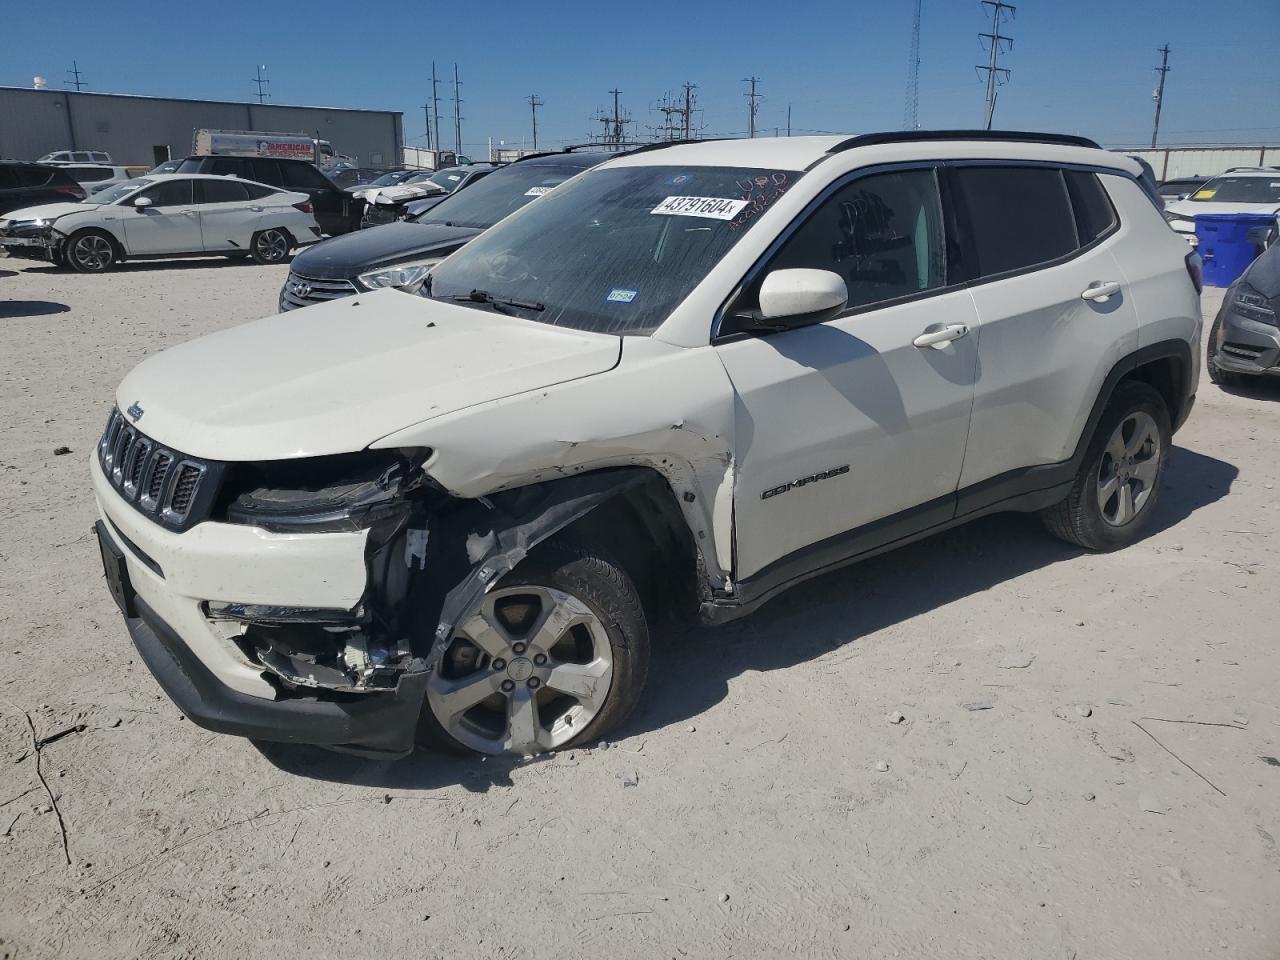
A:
<point x="1100" y="290"/>
<point x="939" y="336"/>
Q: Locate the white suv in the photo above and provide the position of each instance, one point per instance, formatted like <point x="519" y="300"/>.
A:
<point x="680" y="383"/>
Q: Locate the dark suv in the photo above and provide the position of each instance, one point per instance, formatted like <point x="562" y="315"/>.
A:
<point x="335" y="210"/>
<point x="31" y="184"/>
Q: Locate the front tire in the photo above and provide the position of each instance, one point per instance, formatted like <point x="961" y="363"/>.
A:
<point x="556" y="656"/>
<point x="1116" y="489"/>
<point x="89" y="251"/>
<point x="270" y="246"/>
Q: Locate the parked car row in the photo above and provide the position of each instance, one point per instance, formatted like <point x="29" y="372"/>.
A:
<point x="1241" y="190"/>
<point x="675" y="385"/>
<point x="387" y="204"/>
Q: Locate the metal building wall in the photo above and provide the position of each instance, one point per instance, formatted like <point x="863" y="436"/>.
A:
<point x="36" y="122"/>
<point x="1172" y="162"/>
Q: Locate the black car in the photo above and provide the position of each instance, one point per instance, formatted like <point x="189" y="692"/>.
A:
<point x="31" y="184"/>
<point x="382" y="209"/>
<point x="1244" y="340"/>
<point x="335" y="210"/>
<point x="400" y="254"/>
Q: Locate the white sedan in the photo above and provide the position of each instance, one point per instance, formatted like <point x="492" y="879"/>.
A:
<point x="164" y="216"/>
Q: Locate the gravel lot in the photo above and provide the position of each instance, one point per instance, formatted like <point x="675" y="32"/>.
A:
<point x="1087" y="767"/>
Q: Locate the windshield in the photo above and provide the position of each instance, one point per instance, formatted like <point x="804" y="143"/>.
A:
<point x="1240" y="190"/>
<point x="491" y="198"/>
<point x="390" y="179"/>
<point x="447" y="179"/>
<point x="614" y="251"/>
<point x="119" y="191"/>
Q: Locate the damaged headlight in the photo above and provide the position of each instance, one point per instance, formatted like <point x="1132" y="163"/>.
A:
<point x="324" y="494"/>
<point x="403" y="276"/>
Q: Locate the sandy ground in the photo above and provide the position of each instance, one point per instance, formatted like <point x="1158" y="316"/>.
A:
<point x="1087" y="766"/>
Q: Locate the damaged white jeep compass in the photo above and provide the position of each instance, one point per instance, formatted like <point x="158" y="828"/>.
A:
<point x="677" y="384"/>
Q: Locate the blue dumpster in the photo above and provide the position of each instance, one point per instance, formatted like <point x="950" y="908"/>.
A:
<point x="1229" y="242"/>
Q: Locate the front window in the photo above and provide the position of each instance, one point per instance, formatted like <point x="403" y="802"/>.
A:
<point x="120" y="191"/>
<point x="485" y="203"/>
<point x="612" y="252"/>
<point x="1240" y="190"/>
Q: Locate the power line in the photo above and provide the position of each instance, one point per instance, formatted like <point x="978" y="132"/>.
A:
<point x="534" y="102"/>
<point x="992" y="68"/>
<point x="1159" y="94"/>
<point x="457" y="111"/>
<point x="911" y="112"/>
<point x="263" y="96"/>
<point x="753" y="105"/>
<point x="75" y="80"/>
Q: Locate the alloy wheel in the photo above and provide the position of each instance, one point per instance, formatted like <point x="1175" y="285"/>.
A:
<point x="92" y="252"/>
<point x="272" y="245"/>
<point x="526" y="673"/>
<point x="1129" y="469"/>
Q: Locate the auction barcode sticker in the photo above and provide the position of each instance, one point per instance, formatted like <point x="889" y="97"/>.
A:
<point x="537" y="191"/>
<point x="713" y="208"/>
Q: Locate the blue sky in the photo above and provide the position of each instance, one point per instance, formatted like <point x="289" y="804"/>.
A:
<point x="1080" y="66"/>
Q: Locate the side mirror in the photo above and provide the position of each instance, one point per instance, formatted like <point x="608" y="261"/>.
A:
<point x="793" y="298"/>
<point x="142" y="203"/>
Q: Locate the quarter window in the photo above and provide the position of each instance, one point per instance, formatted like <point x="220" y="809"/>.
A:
<point x="171" y="193"/>
<point x="882" y="233"/>
<point x="1020" y="216"/>
<point x="1094" y="214"/>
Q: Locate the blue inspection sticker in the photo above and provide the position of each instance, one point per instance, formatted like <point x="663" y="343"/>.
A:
<point x="621" y="295"/>
<point x="679" y="180"/>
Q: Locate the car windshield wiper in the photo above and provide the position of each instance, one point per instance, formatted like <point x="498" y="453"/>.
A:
<point x="483" y="296"/>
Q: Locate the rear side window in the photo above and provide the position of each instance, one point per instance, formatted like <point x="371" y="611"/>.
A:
<point x="220" y="167"/>
<point x="171" y="193"/>
<point x="303" y="175"/>
<point x="265" y="171"/>
<point x="220" y="191"/>
<point x="90" y="174"/>
<point x="36" y="176"/>
<point x="1094" y="214"/>
<point x="1019" y="216"/>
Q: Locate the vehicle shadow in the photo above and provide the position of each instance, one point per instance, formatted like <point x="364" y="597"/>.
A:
<point x="145" y="266"/>
<point x="1254" y="388"/>
<point x="12" y="309"/>
<point x="813" y="619"/>
<point x="8" y="273"/>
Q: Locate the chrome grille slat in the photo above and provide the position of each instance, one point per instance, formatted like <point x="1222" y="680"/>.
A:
<point x="321" y="290"/>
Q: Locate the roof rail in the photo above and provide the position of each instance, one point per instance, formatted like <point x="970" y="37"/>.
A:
<point x="998" y="136"/>
<point x="660" y="144"/>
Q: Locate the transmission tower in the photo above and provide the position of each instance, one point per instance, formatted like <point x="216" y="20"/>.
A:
<point x="615" y="124"/>
<point x="263" y="96"/>
<point x="534" y="102"/>
<point x="753" y="105"/>
<point x="75" y="80"/>
<point x="911" y="112"/>
<point x="1159" y="94"/>
<point x="995" y="73"/>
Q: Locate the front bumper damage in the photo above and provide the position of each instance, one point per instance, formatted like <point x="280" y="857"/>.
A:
<point x="26" y="239"/>
<point x="299" y="661"/>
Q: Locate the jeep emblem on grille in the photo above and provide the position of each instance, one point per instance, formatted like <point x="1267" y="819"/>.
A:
<point x="300" y="289"/>
<point x="134" y="411"/>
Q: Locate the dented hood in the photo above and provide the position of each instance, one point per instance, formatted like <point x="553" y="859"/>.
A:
<point x="335" y="377"/>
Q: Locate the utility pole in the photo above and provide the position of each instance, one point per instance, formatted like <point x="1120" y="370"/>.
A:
<point x="911" y="112"/>
<point x="615" y="125"/>
<point x="263" y="96"/>
<point x="75" y="80"/>
<point x="687" y="131"/>
<point x="534" y="102"/>
<point x="992" y="68"/>
<point x="753" y="105"/>
<point x="426" y="109"/>
<point x="1159" y="95"/>
<point x="788" y="119"/>
<point x="457" y="112"/>
<point x="435" y="109"/>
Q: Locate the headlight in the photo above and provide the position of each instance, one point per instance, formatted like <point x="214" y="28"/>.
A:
<point x="1248" y="302"/>
<point x="404" y="276"/>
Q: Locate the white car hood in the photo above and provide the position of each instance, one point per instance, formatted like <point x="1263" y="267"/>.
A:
<point x="334" y="378"/>
<point x="1191" y="209"/>
<point x="49" y="211"/>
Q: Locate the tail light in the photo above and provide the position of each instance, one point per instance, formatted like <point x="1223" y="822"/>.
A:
<point x="1195" y="269"/>
<point x="71" y="190"/>
<point x="305" y="206"/>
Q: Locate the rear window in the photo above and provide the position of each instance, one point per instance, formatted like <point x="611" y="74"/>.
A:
<point x="1020" y="216"/>
<point x="220" y="191"/>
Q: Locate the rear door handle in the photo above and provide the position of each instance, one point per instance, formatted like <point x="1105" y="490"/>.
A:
<point x="939" y="336"/>
<point x="1100" y="290"/>
<point x="188" y="213"/>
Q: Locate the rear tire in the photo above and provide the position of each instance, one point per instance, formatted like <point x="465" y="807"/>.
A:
<point x="1223" y="378"/>
<point x="1116" y="489"/>
<point x="90" y="251"/>
<point x="596" y="637"/>
<point x="270" y="246"/>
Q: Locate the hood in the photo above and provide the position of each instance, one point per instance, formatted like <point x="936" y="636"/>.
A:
<point x="49" y="211"/>
<point x="405" y="191"/>
<point x="360" y="251"/>
<point x="336" y="377"/>
<point x="1190" y="209"/>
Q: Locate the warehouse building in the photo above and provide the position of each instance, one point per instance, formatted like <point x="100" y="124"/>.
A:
<point x="149" y="130"/>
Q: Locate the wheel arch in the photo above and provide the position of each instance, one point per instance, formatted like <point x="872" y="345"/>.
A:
<point x="1166" y="366"/>
<point x="116" y="241"/>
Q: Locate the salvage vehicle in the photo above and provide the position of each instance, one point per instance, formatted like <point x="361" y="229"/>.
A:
<point x="1244" y="340"/>
<point x="27" y="184"/>
<point x="164" y="216"/>
<point x="1181" y="188"/>
<point x="678" y="384"/>
<point x="336" y="210"/>
<point x="1240" y="190"/>
<point x="389" y="204"/>
<point x="399" y="255"/>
